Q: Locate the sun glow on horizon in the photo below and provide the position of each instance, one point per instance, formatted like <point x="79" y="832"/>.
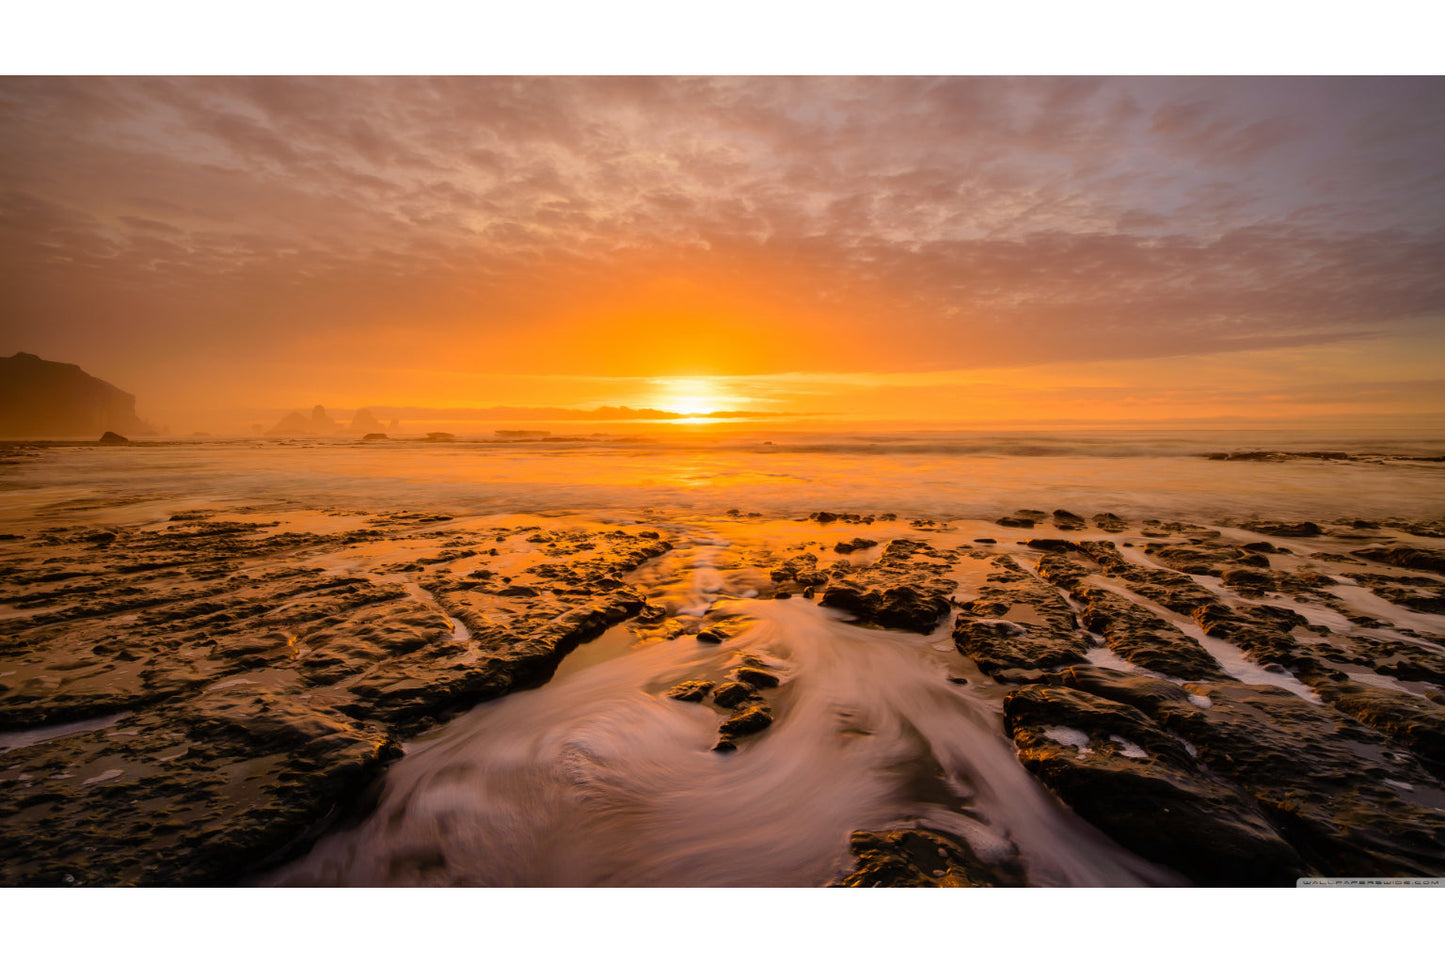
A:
<point x="690" y="396"/>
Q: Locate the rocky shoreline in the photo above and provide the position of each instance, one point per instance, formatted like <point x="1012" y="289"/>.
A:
<point x="186" y="701"/>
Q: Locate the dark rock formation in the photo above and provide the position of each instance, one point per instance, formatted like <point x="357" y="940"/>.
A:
<point x="1330" y="786"/>
<point x="745" y="722"/>
<point x="904" y="589"/>
<point x="924" y="858"/>
<point x="111" y="438"/>
<point x="48" y="399"/>
<point x="1018" y="622"/>
<point x="1285" y="529"/>
<point x="692" y="690"/>
<point x="1129" y="777"/>
<point x="856" y="545"/>
<point x="1109" y="522"/>
<point x="1420" y="559"/>
<point x="1136" y="634"/>
<point x="730" y="695"/>
<point x="260" y="694"/>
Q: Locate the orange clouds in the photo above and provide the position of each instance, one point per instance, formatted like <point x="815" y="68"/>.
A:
<point x="232" y="237"/>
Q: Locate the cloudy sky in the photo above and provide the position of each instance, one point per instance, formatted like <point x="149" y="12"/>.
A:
<point x="986" y="250"/>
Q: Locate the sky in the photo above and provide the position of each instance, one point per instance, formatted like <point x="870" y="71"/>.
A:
<point x="913" y="250"/>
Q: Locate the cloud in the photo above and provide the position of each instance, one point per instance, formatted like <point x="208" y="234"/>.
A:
<point x="625" y="225"/>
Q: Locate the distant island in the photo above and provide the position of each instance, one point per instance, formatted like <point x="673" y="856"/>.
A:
<point x="320" y="423"/>
<point x="50" y="399"/>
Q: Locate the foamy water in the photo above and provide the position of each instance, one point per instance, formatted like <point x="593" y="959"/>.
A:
<point x="598" y="778"/>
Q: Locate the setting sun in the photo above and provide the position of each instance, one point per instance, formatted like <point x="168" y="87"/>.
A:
<point x="690" y="396"/>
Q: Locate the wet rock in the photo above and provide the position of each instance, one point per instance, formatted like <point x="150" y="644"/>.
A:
<point x="1015" y="521"/>
<point x="907" y="588"/>
<point x="280" y="689"/>
<point x="730" y="695"/>
<point x="1109" y="522"/>
<point x="1248" y="582"/>
<point x="801" y="569"/>
<point x="1062" y="571"/>
<point x="924" y="858"/>
<point x="111" y="438"/>
<point x="746" y="721"/>
<point x="900" y="607"/>
<point x="1117" y="769"/>
<point x="1407" y="721"/>
<point x="1068" y="521"/>
<point x="1172" y="590"/>
<point x="692" y="690"/>
<point x="856" y="545"/>
<point x="1424" y="560"/>
<point x="755" y="677"/>
<point x="1285" y="529"/>
<point x="1137" y="635"/>
<point x="712" y="636"/>
<point x="1050" y="544"/>
<point x="1018" y="622"/>
<point x="1317" y="775"/>
<point x="375" y="436"/>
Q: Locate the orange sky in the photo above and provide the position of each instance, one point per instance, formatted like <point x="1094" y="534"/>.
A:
<point x="989" y="251"/>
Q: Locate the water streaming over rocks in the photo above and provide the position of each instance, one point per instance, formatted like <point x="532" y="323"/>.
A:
<point x="598" y="778"/>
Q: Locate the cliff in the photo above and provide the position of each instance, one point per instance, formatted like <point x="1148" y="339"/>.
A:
<point x="48" y="399"/>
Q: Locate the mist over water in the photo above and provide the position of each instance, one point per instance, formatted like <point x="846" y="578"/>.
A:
<point x="963" y="474"/>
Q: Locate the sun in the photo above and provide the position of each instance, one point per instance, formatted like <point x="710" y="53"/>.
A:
<point x="689" y="396"/>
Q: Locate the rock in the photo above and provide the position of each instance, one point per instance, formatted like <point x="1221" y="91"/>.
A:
<point x="712" y="636"/>
<point x="1015" y="521"/>
<point x="1409" y="722"/>
<point x="111" y="438"/>
<point x="40" y="399"/>
<point x="281" y="689"/>
<point x="757" y="678"/>
<point x="1318" y="776"/>
<point x="375" y="436"/>
<point x="924" y="858"/>
<point x="1068" y="521"/>
<point x="801" y="569"/>
<point x="730" y="695"/>
<point x="1050" y="544"/>
<point x="1136" y="634"/>
<point x="364" y="422"/>
<point x="901" y="607"/>
<point x="692" y="690"/>
<point x="907" y="588"/>
<point x="1121" y="772"/>
<point x="1420" y="559"/>
<point x="1285" y="529"/>
<point x="746" y="721"/>
<point x="1248" y="582"/>
<point x="1018" y="622"/>
<point x="442" y="436"/>
<point x="1110" y="522"/>
<point x="856" y="545"/>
